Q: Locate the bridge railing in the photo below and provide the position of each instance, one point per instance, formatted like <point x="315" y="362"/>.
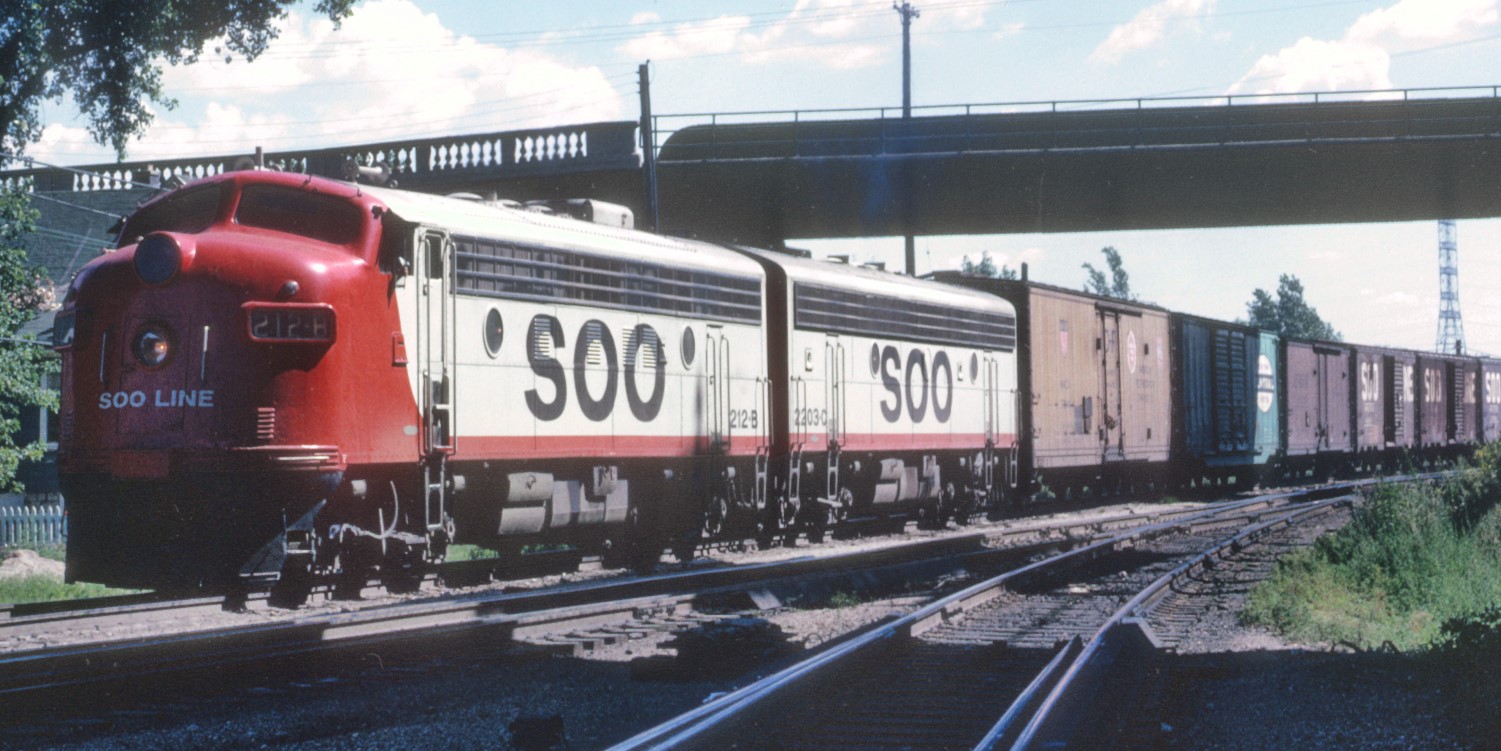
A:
<point x="1136" y="123"/>
<point x="519" y="153"/>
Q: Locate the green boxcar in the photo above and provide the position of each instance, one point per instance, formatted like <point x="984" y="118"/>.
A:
<point x="1225" y="411"/>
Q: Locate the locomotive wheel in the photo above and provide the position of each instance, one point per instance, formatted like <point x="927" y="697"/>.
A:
<point x="295" y="583"/>
<point x="960" y="511"/>
<point x="292" y="590"/>
<point x="402" y="581"/>
<point x="685" y="547"/>
<point x="638" y="547"/>
<point x="715" y="515"/>
<point x="929" y="516"/>
<point x="995" y="503"/>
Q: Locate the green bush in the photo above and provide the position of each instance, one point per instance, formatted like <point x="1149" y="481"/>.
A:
<point x="1413" y="557"/>
<point x="1468" y="655"/>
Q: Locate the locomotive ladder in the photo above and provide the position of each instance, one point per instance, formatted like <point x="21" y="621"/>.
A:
<point x="436" y="319"/>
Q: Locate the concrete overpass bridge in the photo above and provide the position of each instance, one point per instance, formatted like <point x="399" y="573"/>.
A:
<point x="1087" y="166"/>
<point x="765" y="178"/>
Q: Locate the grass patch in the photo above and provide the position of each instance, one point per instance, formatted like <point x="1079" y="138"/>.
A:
<point x="41" y="588"/>
<point x="457" y="553"/>
<point x="843" y="599"/>
<point x="1413" y="558"/>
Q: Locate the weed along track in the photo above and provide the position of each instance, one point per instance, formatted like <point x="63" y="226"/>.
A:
<point x="1053" y="641"/>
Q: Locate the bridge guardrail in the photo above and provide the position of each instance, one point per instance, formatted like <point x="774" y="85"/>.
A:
<point x="1041" y="126"/>
<point x="520" y="153"/>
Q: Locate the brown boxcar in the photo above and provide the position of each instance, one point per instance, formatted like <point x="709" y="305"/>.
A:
<point x="1317" y="402"/>
<point x="1490" y="399"/>
<point x="1448" y="402"/>
<point x="1385" y="412"/>
<point x="1095" y="384"/>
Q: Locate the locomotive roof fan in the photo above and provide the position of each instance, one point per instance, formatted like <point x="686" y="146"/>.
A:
<point x="588" y="210"/>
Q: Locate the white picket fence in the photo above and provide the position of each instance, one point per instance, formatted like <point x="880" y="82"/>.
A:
<point x="32" y="525"/>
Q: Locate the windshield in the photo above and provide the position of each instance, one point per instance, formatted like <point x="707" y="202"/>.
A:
<point x="188" y="211"/>
<point x="299" y="212"/>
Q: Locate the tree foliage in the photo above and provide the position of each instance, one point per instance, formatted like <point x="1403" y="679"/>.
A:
<point x="987" y="268"/>
<point x="24" y="291"/>
<point x="1289" y="314"/>
<point x="107" y="54"/>
<point x="1118" y="285"/>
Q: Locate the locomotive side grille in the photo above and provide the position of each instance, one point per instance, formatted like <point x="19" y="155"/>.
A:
<point x="265" y="424"/>
<point x="489" y="268"/>
<point x="833" y="310"/>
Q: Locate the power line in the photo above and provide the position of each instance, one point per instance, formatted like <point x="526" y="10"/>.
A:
<point x="79" y="207"/>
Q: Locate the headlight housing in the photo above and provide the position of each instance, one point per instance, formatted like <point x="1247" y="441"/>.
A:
<point x="153" y="345"/>
<point x="158" y="258"/>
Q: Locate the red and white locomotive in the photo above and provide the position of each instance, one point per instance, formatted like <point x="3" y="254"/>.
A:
<point x="276" y="374"/>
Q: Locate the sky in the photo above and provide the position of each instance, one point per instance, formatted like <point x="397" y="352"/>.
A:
<point x="419" y="68"/>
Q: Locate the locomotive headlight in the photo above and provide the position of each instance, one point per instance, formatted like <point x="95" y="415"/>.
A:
<point x="158" y="258"/>
<point x="153" y="345"/>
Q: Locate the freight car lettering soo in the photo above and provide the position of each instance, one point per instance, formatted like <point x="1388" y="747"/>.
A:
<point x="921" y="384"/>
<point x="545" y="337"/>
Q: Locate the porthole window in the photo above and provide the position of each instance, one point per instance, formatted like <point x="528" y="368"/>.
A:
<point x="974" y="368"/>
<point x="495" y="332"/>
<point x="875" y="359"/>
<point x="689" y="347"/>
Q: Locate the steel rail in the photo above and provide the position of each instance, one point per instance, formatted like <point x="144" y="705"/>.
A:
<point x="693" y="724"/>
<point x="1137" y="606"/>
<point x="519" y="613"/>
<point x="32" y="620"/>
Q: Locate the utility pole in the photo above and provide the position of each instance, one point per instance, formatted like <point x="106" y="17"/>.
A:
<point x="908" y="13"/>
<point x="648" y="149"/>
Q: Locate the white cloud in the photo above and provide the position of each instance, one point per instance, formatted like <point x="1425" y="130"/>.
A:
<point x="1150" y="26"/>
<point x="1361" y="59"/>
<point x="1404" y="300"/>
<point x="1426" y="20"/>
<point x="826" y="33"/>
<point x="712" y="37"/>
<point x="1008" y="30"/>
<point x="1316" y="65"/>
<point x="391" y="72"/>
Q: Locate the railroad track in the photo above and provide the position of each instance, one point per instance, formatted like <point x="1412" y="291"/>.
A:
<point x="1027" y="659"/>
<point x="570" y="617"/>
<point x="41" y="625"/>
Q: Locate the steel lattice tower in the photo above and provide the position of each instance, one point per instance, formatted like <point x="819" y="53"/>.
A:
<point x="1451" y="329"/>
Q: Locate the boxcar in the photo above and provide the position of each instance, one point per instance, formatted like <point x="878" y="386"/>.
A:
<point x="1095" y="386"/>
<point x="1490" y="399"/>
<point x="1317" y="401"/>
<point x="1225" y="416"/>
<point x="1448" y="404"/>
<point x="1385" y="412"/>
